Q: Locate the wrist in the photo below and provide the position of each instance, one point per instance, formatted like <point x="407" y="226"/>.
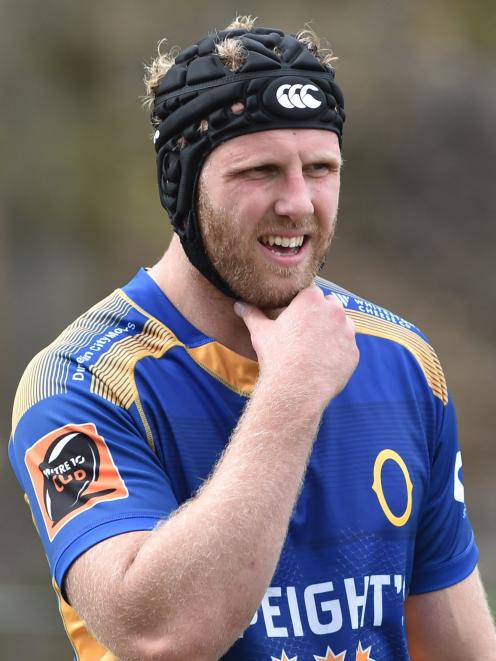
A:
<point x="296" y="401"/>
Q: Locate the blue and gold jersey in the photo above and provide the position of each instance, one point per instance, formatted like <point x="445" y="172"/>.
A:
<point x="124" y="415"/>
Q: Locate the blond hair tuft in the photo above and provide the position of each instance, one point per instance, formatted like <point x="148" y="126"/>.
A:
<point x="242" y="23"/>
<point x="314" y="44"/>
<point x="155" y="71"/>
<point x="232" y="53"/>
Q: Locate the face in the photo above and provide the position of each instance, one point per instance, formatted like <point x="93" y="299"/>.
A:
<point x="267" y="209"/>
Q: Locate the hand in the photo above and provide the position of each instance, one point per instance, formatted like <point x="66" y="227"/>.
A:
<point x="309" y="350"/>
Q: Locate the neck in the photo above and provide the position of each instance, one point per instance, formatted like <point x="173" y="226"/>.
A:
<point x="199" y="301"/>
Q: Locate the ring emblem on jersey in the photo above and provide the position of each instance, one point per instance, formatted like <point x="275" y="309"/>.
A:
<point x="377" y="487"/>
<point x="297" y="96"/>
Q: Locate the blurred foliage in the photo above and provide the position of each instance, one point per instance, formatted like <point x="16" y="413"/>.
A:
<point x="79" y="210"/>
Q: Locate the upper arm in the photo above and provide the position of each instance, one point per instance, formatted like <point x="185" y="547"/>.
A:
<point x="104" y="564"/>
<point x="445" y="548"/>
<point x="453" y="624"/>
<point x="89" y="475"/>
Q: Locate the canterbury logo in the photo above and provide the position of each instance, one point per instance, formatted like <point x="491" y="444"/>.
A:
<point x="297" y="96"/>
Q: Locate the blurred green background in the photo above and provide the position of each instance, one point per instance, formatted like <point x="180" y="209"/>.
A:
<point x="79" y="210"/>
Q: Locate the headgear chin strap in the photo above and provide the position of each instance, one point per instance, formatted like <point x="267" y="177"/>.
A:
<point x="281" y="84"/>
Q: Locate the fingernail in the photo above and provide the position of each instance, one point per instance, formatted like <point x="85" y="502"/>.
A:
<point x="239" y="308"/>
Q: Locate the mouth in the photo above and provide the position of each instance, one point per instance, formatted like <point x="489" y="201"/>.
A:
<point x="283" y="246"/>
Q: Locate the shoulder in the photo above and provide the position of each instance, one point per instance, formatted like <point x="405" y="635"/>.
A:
<point x="363" y="310"/>
<point x="94" y="356"/>
<point x="374" y="321"/>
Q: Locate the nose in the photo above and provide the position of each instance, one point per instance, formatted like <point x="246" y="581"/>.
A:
<point x="294" y="198"/>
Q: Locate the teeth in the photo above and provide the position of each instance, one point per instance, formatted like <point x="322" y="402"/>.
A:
<point x="284" y="241"/>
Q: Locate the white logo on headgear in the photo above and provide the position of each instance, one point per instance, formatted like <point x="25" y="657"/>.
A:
<point x="297" y="96"/>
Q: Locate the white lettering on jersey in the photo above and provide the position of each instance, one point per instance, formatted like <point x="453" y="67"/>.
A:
<point x="321" y="611"/>
<point x="377" y="583"/>
<point x="331" y="606"/>
<point x="270" y="611"/>
<point x="459" y="490"/>
<point x="294" y="611"/>
<point x="356" y="601"/>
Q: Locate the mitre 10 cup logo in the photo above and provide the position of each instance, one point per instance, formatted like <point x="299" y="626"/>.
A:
<point x="71" y="470"/>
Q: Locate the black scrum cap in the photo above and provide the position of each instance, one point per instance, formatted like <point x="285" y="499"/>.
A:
<point x="281" y="84"/>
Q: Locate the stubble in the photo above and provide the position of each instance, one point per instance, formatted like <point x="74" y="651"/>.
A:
<point x="234" y="255"/>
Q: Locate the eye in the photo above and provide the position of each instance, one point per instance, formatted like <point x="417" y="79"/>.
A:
<point x="321" y="169"/>
<point x="266" y="167"/>
<point x="259" y="171"/>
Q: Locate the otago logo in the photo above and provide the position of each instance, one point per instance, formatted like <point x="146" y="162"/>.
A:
<point x="382" y="457"/>
<point x="71" y="470"/>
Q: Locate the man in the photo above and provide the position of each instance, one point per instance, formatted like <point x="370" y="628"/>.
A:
<point x="217" y="464"/>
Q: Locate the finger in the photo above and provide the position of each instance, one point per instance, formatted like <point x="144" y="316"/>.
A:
<point x="315" y="288"/>
<point x="310" y="293"/>
<point x="250" y="314"/>
<point x="332" y="298"/>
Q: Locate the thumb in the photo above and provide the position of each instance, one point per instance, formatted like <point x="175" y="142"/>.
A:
<point x="250" y="314"/>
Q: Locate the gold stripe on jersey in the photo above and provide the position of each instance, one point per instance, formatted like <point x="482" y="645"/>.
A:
<point x="113" y="374"/>
<point x="235" y="371"/>
<point x="83" y="643"/>
<point x="423" y="352"/>
<point x="47" y="373"/>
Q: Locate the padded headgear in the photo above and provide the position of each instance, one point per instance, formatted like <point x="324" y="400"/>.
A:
<point x="281" y="84"/>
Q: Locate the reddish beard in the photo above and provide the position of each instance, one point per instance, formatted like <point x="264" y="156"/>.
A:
<point x="235" y="257"/>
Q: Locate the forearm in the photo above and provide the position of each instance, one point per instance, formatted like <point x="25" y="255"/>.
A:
<point x="193" y="585"/>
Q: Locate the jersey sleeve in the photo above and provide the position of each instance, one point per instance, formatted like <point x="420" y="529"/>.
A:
<point x="88" y="472"/>
<point x="445" y="550"/>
